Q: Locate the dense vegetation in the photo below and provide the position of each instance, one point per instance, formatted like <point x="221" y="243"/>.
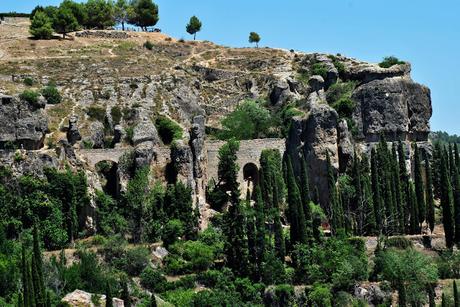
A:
<point x="246" y="256"/>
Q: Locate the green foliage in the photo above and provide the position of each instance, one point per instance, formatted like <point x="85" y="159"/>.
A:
<point x="254" y="38"/>
<point x="148" y="45"/>
<point x="64" y="21"/>
<point x="398" y="242"/>
<point x="116" y="114"/>
<point x="339" y="97"/>
<point x="153" y="280"/>
<point x="172" y="231"/>
<point x="190" y="256"/>
<point x="51" y="94"/>
<point x="250" y="120"/>
<point x="389" y="61"/>
<point x="320" y="295"/>
<point x="96" y="113"/>
<point x="100" y="14"/>
<point x="168" y="129"/>
<point x="30" y="96"/>
<point x="136" y="260"/>
<point x="41" y="26"/>
<point x="28" y="81"/>
<point x="193" y="26"/>
<point x="145" y="13"/>
<point x="319" y="69"/>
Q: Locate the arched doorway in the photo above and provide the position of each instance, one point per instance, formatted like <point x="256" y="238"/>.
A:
<point x="250" y="176"/>
<point x="108" y="176"/>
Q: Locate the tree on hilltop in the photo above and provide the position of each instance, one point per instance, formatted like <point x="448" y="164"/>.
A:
<point x="254" y="38"/>
<point x="145" y="13"/>
<point x="193" y="26"/>
<point x="122" y="12"/>
<point x="64" y="21"/>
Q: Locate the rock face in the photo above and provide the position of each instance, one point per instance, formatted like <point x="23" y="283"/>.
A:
<point x="23" y="125"/>
<point x="396" y="106"/>
<point x="145" y="131"/>
<point x="73" y="134"/>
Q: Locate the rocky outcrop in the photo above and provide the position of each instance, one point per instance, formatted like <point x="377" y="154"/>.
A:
<point x="367" y="72"/>
<point x="23" y="124"/>
<point x="397" y="107"/>
<point x="143" y="155"/>
<point x="97" y="134"/>
<point x="145" y="131"/>
<point x="73" y="134"/>
<point x="79" y="298"/>
<point x="182" y="160"/>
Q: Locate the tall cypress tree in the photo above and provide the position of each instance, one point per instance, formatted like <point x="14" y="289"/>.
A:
<point x="280" y="246"/>
<point x="446" y="202"/>
<point x="252" y="249"/>
<point x="259" y="226"/>
<point x="456" y="296"/>
<point x="360" y="205"/>
<point x="429" y="195"/>
<point x="456" y="203"/>
<point x="27" y="295"/>
<point x="108" y="295"/>
<point x="37" y="271"/>
<point x="398" y="192"/>
<point x="414" y="221"/>
<point x="436" y="169"/>
<point x="452" y="166"/>
<point x="377" y="197"/>
<point x="305" y="197"/>
<point x="370" y="225"/>
<point x="419" y="192"/>
<point x="404" y="183"/>
<point x="153" y="301"/>
<point x="335" y="206"/>
<point x="298" y="228"/>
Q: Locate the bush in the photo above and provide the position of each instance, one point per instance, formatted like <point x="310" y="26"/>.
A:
<point x="148" y="45"/>
<point x="51" y="94"/>
<point x="168" y="129"/>
<point x="136" y="260"/>
<point x="41" y="26"/>
<point x="339" y="90"/>
<point x="320" y="295"/>
<point x="390" y="61"/>
<point x="97" y="113"/>
<point x="199" y="255"/>
<point x="30" y="96"/>
<point x="153" y="280"/>
<point x="172" y="231"/>
<point x="319" y="69"/>
<point x="28" y="81"/>
<point x="345" y="107"/>
<point x="398" y="242"/>
<point x="116" y="114"/>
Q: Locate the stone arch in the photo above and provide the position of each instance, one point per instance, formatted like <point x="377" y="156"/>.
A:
<point x="250" y="176"/>
<point x="108" y="177"/>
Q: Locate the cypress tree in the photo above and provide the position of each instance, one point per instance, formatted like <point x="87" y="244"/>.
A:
<point x="377" y="198"/>
<point x="280" y="246"/>
<point x="252" y="250"/>
<point x="457" y="156"/>
<point x="456" y="297"/>
<point x="398" y="190"/>
<point x="419" y="192"/>
<point x="304" y="185"/>
<point x="356" y="180"/>
<point x="370" y="226"/>
<point x="429" y="195"/>
<point x="436" y="169"/>
<point x="443" y="300"/>
<point x="30" y="285"/>
<point x="431" y="296"/>
<point x="414" y="221"/>
<point x="125" y="296"/>
<point x="404" y="183"/>
<point x="298" y="229"/>
<point x="456" y="203"/>
<point x="108" y="295"/>
<point x="153" y="301"/>
<point x="446" y="203"/>
<point x="335" y="205"/>
<point x="20" y="300"/>
<point x="259" y="227"/>
<point x="25" y="282"/>
<point x="452" y="166"/>
<point x="37" y="267"/>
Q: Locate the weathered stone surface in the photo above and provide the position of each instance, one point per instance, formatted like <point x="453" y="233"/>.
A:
<point x="73" y="134"/>
<point x="80" y="298"/>
<point x="145" y="131"/>
<point x="316" y="83"/>
<point x="118" y="134"/>
<point x="372" y="294"/>
<point x="143" y="155"/>
<point x="182" y="159"/>
<point x="345" y="145"/>
<point x="397" y="107"/>
<point x="366" y="72"/>
<point x="97" y="134"/>
<point x="280" y="92"/>
<point x="197" y="137"/>
<point x="23" y="125"/>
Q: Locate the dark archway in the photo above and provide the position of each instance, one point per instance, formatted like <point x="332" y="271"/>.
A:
<point x="251" y="174"/>
<point x="108" y="174"/>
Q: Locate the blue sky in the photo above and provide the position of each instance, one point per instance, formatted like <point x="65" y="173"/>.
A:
<point x="423" y="32"/>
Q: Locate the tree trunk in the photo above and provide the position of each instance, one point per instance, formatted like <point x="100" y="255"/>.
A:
<point x="122" y="25"/>
<point x="194" y="36"/>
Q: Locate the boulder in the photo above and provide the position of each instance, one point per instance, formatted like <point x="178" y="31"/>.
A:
<point x="396" y="106"/>
<point x="80" y="298"/>
<point x="23" y="125"/>
<point x="145" y="131"/>
<point x="73" y="134"/>
<point x="280" y="93"/>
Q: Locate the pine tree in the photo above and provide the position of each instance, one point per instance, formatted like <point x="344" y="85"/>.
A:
<point x="419" y="185"/>
<point x="456" y="297"/>
<point x="456" y="204"/>
<point x="108" y="295"/>
<point x="446" y="202"/>
<point x="429" y="195"/>
<point x="298" y="231"/>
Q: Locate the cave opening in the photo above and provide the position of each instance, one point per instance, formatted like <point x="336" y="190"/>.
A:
<point x="250" y="175"/>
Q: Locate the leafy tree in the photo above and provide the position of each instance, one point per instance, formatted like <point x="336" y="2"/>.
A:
<point x="100" y="14"/>
<point x="193" y="26"/>
<point x="145" y="13"/>
<point x="254" y="38"/>
<point x="122" y="12"/>
<point x="64" y="21"/>
<point x="249" y="120"/>
<point x="410" y="272"/>
<point x="172" y="231"/>
<point x="41" y="26"/>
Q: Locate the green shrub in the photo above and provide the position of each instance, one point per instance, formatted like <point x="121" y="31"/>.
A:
<point x="389" y="61"/>
<point x="345" y="107"/>
<point x="398" y="242"/>
<point x="168" y="129"/>
<point x="96" y="113"/>
<point x="338" y="65"/>
<point x="30" y="96"/>
<point x="129" y="134"/>
<point x="153" y="280"/>
<point x="136" y="260"/>
<point x="28" y="81"/>
<point x="320" y="295"/>
<point x="116" y="114"/>
<point x="319" y="69"/>
<point x="172" y="231"/>
<point x="339" y="90"/>
<point x="199" y="255"/>
<point x="51" y="94"/>
<point x="148" y="45"/>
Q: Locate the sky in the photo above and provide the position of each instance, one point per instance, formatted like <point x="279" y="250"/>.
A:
<point x="424" y="32"/>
